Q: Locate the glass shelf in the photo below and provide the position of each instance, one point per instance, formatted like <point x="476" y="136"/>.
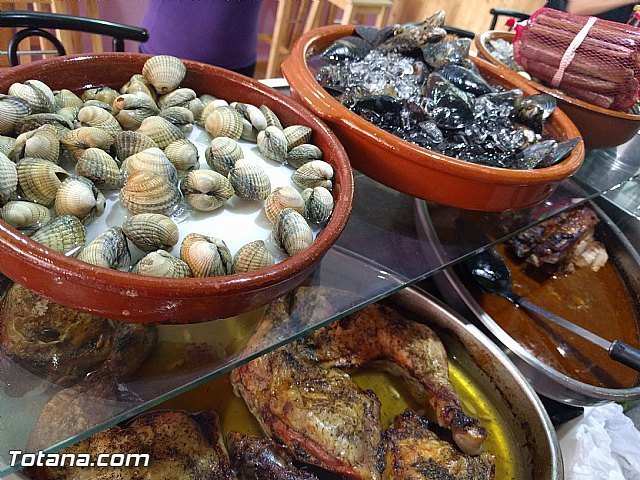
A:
<point x="387" y="245"/>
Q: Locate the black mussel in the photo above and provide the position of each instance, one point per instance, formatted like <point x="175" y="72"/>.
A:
<point x="412" y="115"/>
<point x="465" y="79"/>
<point x="497" y="104"/>
<point x="374" y="36"/>
<point x="411" y="36"/>
<point x="447" y="51"/>
<point x="539" y="154"/>
<point x="431" y="131"/>
<point x="563" y="149"/>
<point x="534" y="110"/>
<point x="452" y="108"/>
<point x="347" y="48"/>
<point x="381" y="110"/>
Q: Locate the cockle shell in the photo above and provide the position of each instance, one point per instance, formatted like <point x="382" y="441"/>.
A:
<point x="97" y="117"/>
<point x="129" y="143"/>
<point x="25" y="216"/>
<point x="151" y="231"/>
<point x="36" y="120"/>
<point x="7" y="144"/>
<point x="196" y="107"/>
<point x="318" y="204"/>
<point x="78" y="140"/>
<point x="302" y="154"/>
<point x="42" y="142"/>
<point x="181" y="117"/>
<point x="206" y="190"/>
<point x="206" y="256"/>
<point x="222" y="154"/>
<point x="249" y="133"/>
<point x="291" y="232"/>
<point x="102" y="94"/>
<point x="249" y="180"/>
<point x="224" y="122"/>
<point x="164" y="72"/>
<point x="272" y="143"/>
<point x="178" y="98"/>
<point x="137" y="83"/>
<point x="66" y="98"/>
<point x="36" y="93"/>
<point x="253" y="114"/>
<point x="148" y="192"/>
<point x="130" y="109"/>
<point x="99" y="167"/>
<point x="70" y="114"/>
<point x="11" y="110"/>
<point x="183" y="154"/>
<point x="314" y="174"/>
<point x="8" y="178"/>
<point x="78" y="196"/>
<point x="160" y="131"/>
<point x="271" y="118"/>
<point x="40" y="180"/>
<point x="252" y="256"/>
<point x="281" y="198"/>
<point x="97" y="103"/>
<point x="162" y="264"/>
<point x="209" y="107"/>
<point x="297" y="135"/>
<point x="153" y="160"/>
<point x="108" y="250"/>
<point x="63" y="234"/>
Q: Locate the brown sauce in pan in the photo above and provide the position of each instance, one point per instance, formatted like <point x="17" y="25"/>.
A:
<point x="598" y="301"/>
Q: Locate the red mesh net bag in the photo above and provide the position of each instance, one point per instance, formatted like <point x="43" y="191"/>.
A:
<point x="586" y="57"/>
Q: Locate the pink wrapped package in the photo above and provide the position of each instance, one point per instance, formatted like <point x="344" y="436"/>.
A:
<point x="586" y="57"/>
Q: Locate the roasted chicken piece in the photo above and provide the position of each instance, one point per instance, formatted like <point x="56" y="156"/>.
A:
<point x="564" y="240"/>
<point x="413" y="350"/>
<point x="319" y="414"/>
<point x="180" y="447"/>
<point x="63" y="345"/>
<point x="257" y="458"/>
<point x="413" y="452"/>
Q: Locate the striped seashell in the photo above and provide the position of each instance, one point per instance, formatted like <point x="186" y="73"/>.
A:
<point x="152" y="160"/>
<point x="102" y="94"/>
<point x="297" y="135"/>
<point x="301" y="154"/>
<point x="11" y="110"/>
<point x="7" y="144"/>
<point x="137" y="83"/>
<point x="42" y="143"/>
<point x="151" y="231"/>
<point x="181" y="117"/>
<point x="78" y="140"/>
<point x="253" y="114"/>
<point x="196" y="107"/>
<point x="36" y="120"/>
<point x="271" y="118"/>
<point x="318" y="204"/>
<point x="210" y="107"/>
<point x="249" y="133"/>
<point x="97" y="117"/>
<point x="99" y="167"/>
<point x="291" y="232"/>
<point x="147" y="192"/>
<point x="40" y="180"/>
<point x="130" y="109"/>
<point x="272" y="143"/>
<point x="164" y="72"/>
<point x="25" y="216"/>
<point x="206" y="190"/>
<point x="36" y="93"/>
<point x="70" y="114"/>
<point x="129" y="143"/>
<point x="63" y="234"/>
<point x="252" y="256"/>
<point x="8" y="178"/>
<point x="249" y="180"/>
<point x="78" y="196"/>
<point x="97" y="103"/>
<point x="178" y="98"/>
<point x="108" y="250"/>
<point x="316" y="173"/>
<point x="183" y="154"/>
<point x="224" y="122"/>
<point x="281" y="198"/>
<point x="222" y="154"/>
<point x="161" y="131"/>
<point x="66" y="98"/>
<point x="206" y="256"/>
<point x="162" y="264"/>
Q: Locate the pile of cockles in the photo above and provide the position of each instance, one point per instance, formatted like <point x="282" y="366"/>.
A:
<point x="134" y="142"/>
<point x="417" y="83"/>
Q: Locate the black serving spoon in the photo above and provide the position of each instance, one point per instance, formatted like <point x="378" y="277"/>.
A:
<point x="492" y="274"/>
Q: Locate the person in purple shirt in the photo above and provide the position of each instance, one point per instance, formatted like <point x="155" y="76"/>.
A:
<point x="218" y="32"/>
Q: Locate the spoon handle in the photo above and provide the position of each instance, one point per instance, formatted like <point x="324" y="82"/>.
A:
<point x="625" y="354"/>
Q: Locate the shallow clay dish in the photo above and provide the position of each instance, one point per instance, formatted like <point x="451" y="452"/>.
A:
<point x="600" y="127"/>
<point x="415" y="170"/>
<point x="136" y="298"/>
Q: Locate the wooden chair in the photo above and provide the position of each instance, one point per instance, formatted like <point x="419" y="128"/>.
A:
<point x="500" y="12"/>
<point x="350" y="10"/>
<point x="35" y="23"/>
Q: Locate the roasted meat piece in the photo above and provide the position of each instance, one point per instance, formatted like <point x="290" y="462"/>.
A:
<point x="564" y="241"/>
<point x="63" y="345"/>
<point x="180" y="447"/>
<point x="378" y="333"/>
<point x="413" y="452"/>
<point x="320" y="415"/>
<point x="256" y="458"/>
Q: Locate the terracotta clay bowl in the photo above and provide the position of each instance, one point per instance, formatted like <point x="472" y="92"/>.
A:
<point x="136" y="298"/>
<point x="419" y="172"/>
<point x="600" y="127"/>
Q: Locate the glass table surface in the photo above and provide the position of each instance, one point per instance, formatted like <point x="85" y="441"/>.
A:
<point x="387" y="245"/>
